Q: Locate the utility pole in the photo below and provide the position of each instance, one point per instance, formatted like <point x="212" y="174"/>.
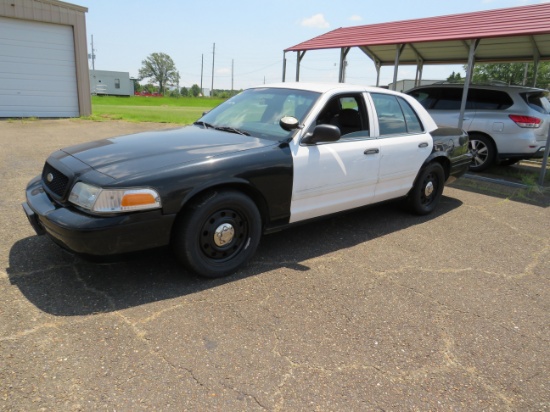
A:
<point x="92" y="54"/>
<point x="202" y="66"/>
<point x="213" y="59"/>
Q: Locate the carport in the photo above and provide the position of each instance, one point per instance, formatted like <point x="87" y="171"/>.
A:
<point x="518" y="34"/>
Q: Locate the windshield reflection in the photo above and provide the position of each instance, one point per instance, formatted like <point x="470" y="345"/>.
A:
<point x="257" y="112"/>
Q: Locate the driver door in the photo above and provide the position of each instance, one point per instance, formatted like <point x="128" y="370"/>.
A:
<point x="333" y="176"/>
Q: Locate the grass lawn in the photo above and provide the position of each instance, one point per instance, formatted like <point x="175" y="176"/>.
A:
<point x="183" y="110"/>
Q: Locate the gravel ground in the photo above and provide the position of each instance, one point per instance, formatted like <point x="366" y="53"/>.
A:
<point x="368" y="311"/>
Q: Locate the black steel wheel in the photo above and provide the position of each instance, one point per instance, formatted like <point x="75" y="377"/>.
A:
<point x="427" y="190"/>
<point x="218" y="233"/>
<point x="483" y="151"/>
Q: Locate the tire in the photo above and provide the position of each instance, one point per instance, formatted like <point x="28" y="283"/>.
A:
<point x="427" y="190"/>
<point x="483" y="150"/>
<point x="218" y="233"/>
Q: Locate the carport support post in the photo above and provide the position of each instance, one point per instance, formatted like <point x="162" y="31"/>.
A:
<point x="544" y="160"/>
<point x="467" y="81"/>
<point x="299" y="58"/>
<point x="398" y="51"/>
<point x="342" y="72"/>
<point x="419" y="69"/>
<point x="284" y="67"/>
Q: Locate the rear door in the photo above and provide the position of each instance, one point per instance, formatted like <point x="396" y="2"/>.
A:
<point x="404" y="145"/>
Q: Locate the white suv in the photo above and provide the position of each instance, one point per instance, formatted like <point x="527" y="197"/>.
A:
<point x="505" y="123"/>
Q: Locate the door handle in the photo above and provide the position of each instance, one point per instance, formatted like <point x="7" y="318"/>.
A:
<point x="423" y="145"/>
<point x="371" y="151"/>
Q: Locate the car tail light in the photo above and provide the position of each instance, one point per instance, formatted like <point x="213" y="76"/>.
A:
<point x="526" y="121"/>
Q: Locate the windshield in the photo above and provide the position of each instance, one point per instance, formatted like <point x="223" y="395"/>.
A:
<point x="257" y="112"/>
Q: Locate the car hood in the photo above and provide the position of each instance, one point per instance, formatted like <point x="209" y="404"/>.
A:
<point x="125" y="156"/>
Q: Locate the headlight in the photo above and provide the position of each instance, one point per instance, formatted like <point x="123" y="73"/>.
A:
<point x="98" y="200"/>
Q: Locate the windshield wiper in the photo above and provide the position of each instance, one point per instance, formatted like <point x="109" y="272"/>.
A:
<point x="232" y="130"/>
<point x="204" y="124"/>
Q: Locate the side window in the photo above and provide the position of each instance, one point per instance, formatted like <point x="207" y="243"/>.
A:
<point x="117" y="83"/>
<point x="390" y="116"/>
<point x="449" y="99"/>
<point x="411" y="118"/>
<point x="490" y="99"/>
<point x="395" y="115"/>
<point x="427" y="97"/>
<point x="348" y="114"/>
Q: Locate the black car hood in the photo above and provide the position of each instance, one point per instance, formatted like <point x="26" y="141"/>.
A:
<point x="125" y="156"/>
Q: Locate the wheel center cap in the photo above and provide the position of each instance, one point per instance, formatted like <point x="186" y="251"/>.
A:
<point x="429" y="189"/>
<point x="224" y="234"/>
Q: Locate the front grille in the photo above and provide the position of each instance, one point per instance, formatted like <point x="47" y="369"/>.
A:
<point x="54" y="180"/>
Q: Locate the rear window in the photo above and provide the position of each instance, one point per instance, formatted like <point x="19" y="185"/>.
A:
<point x="537" y="101"/>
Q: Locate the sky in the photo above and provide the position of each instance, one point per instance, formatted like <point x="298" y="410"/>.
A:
<point x="250" y="36"/>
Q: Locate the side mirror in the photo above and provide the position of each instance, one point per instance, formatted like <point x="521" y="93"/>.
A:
<point x="289" y="123"/>
<point x="323" y="133"/>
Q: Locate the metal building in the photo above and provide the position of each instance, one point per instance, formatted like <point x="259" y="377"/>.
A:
<point x="43" y="59"/>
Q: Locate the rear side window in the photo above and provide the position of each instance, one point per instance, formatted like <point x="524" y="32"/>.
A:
<point x="411" y="118"/>
<point x="427" y="97"/>
<point x="449" y="99"/>
<point x="537" y="101"/>
<point x="395" y="115"/>
<point x="489" y="99"/>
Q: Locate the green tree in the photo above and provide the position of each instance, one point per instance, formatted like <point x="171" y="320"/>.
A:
<point x="184" y="91"/>
<point x="160" y="68"/>
<point x="455" y="78"/>
<point x="195" y="90"/>
<point x="150" y="87"/>
<point x="512" y="73"/>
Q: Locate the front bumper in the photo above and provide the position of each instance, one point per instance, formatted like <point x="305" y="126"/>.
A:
<point x="95" y="235"/>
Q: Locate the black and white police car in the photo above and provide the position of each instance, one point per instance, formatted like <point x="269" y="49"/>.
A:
<point x="265" y="159"/>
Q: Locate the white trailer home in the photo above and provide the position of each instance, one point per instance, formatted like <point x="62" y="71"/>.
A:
<point x="111" y="83"/>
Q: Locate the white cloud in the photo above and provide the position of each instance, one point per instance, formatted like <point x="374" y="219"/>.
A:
<point x="317" y="21"/>
<point x="356" y="17"/>
<point x="223" y="70"/>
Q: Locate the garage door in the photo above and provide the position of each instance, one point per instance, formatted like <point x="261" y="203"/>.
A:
<point x="37" y="70"/>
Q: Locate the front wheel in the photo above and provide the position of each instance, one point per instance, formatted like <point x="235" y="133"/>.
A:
<point x="218" y="233"/>
<point x="427" y="190"/>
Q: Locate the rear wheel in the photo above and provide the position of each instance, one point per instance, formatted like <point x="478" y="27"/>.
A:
<point x="427" y="190"/>
<point x="218" y="233"/>
<point x="483" y="151"/>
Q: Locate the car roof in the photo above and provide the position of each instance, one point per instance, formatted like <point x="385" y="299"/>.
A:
<point x="486" y="86"/>
<point x="323" y="87"/>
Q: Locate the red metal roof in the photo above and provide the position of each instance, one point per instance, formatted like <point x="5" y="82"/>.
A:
<point x="531" y="24"/>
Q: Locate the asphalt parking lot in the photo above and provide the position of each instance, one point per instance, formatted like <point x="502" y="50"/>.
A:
<point x="375" y="310"/>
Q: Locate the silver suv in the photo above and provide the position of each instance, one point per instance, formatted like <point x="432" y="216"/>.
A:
<point x="505" y="123"/>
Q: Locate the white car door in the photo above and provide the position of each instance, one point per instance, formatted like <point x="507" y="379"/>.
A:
<point x="404" y="146"/>
<point x="334" y="176"/>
